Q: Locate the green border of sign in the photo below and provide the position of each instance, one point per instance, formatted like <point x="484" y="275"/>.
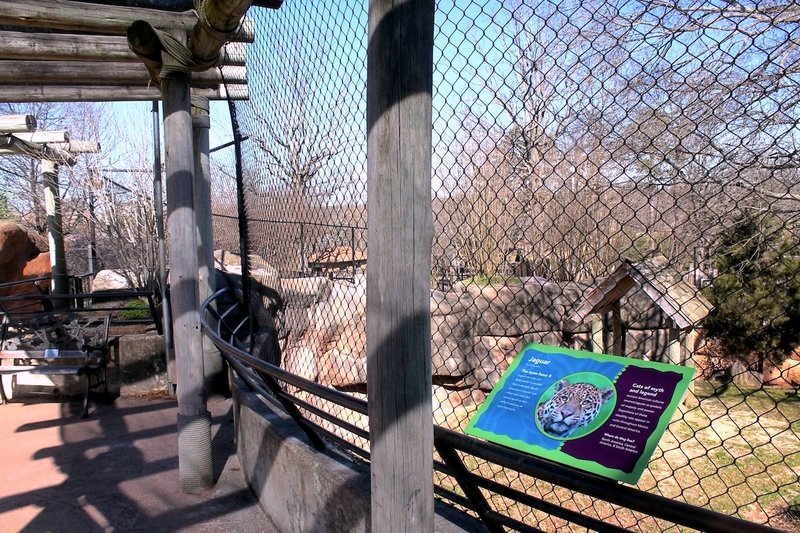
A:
<point x="557" y="455"/>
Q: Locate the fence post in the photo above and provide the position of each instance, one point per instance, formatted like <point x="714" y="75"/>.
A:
<point x="201" y="123"/>
<point x="399" y="88"/>
<point x="158" y="201"/>
<point x="55" y="234"/>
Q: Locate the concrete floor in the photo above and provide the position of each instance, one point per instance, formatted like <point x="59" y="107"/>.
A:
<point x="115" y="471"/>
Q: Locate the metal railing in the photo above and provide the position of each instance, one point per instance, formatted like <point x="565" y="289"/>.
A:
<point x="226" y="330"/>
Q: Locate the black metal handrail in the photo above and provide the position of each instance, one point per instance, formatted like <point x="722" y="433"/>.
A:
<point x="449" y="443"/>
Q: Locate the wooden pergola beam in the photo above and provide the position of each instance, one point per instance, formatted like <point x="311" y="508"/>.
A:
<point x="217" y="20"/>
<point x="11" y="145"/>
<point x="17" y="123"/>
<point x="103" y="93"/>
<point x="95" y="73"/>
<point x="98" y="18"/>
<point x="178" y="5"/>
<point x="19" y="45"/>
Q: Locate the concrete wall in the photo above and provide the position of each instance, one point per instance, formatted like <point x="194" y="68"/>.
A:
<point x="305" y="490"/>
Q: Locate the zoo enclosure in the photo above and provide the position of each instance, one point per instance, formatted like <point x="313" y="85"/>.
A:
<point x="570" y="139"/>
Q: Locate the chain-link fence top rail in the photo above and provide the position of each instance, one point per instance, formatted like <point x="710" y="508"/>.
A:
<point x="572" y="141"/>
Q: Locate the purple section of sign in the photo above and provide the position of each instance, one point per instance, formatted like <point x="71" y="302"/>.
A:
<point x="643" y="395"/>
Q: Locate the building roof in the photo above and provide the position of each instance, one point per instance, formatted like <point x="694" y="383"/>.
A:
<point x="678" y="299"/>
<point x="337" y="257"/>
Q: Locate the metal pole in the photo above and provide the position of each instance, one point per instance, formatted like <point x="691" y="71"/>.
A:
<point x="92" y="250"/>
<point x="158" y="200"/>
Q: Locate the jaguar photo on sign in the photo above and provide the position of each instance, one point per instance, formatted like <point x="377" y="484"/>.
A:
<point x="600" y="413"/>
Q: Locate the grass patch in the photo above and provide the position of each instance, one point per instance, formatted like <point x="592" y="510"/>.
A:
<point x="135" y="310"/>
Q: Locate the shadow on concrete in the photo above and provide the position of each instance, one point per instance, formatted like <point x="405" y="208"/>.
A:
<point x="116" y="471"/>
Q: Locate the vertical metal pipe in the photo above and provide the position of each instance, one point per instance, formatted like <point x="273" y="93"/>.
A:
<point x="158" y="200"/>
<point x="92" y="249"/>
<point x="244" y="236"/>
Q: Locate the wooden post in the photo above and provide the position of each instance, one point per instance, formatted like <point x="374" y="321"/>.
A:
<point x="688" y="341"/>
<point x="598" y="346"/>
<point x="212" y="362"/>
<point x="616" y="329"/>
<point x="399" y="86"/>
<point x="194" y="428"/>
<point x="55" y="234"/>
<point x="674" y="344"/>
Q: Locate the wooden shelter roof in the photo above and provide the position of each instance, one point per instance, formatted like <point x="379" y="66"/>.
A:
<point x="336" y="257"/>
<point x="678" y="299"/>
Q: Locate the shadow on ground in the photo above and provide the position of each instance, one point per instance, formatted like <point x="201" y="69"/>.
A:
<point x="115" y="471"/>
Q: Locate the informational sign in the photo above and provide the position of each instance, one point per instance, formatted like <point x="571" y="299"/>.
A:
<point x="600" y="413"/>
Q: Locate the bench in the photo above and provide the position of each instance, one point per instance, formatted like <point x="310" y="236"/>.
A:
<point x="57" y="344"/>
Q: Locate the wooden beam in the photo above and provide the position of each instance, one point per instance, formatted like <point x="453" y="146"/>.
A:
<point x="178" y="5"/>
<point x="399" y="118"/>
<point x="80" y="147"/>
<point x="60" y="136"/>
<point x="68" y="47"/>
<point x="80" y="93"/>
<point x="10" y="145"/>
<point x="96" y="73"/>
<point x="102" y="19"/>
<point x="17" y="123"/>
<point x="218" y="20"/>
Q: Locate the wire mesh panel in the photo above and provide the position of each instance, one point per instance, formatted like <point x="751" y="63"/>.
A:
<point x="645" y="150"/>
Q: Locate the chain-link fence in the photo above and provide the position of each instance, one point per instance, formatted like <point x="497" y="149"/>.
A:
<point x="574" y="142"/>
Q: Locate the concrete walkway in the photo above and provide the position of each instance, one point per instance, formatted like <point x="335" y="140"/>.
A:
<point x="115" y="471"/>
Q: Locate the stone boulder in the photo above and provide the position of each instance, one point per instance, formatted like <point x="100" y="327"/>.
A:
<point x="20" y="259"/>
<point x="260" y="271"/>
<point x="110" y="280"/>
<point x="16" y="249"/>
<point x="38" y="267"/>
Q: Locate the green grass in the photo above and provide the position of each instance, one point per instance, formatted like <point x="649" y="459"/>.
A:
<point x="135" y="310"/>
<point x="737" y="453"/>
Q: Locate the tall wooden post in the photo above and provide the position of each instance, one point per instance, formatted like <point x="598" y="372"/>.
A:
<point x="55" y="234"/>
<point x="194" y="421"/>
<point x="399" y="86"/>
<point x="212" y="362"/>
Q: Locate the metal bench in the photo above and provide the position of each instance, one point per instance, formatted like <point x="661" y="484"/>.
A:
<point x="57" y="344"/>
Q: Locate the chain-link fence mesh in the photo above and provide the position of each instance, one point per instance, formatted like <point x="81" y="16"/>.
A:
<point x="573" y="142"/>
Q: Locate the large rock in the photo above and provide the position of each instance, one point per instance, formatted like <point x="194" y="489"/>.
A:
<point x="20" y="259"/>
<point x="744" y="377"/>
<point x="38" y="267"/>
<point x="16" y="249"/>
<point x="110" y="280"/>
<point x="260" y="271"/>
